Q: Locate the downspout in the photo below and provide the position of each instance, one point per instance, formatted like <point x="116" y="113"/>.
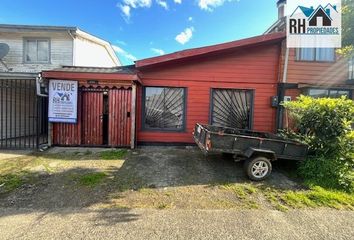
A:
<point x="281" y="89"/>
<point x="286" y="63"/>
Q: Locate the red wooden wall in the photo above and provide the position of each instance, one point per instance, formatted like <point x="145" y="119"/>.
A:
<point x="315" y="73"/>
<point x="254" y="68"/>
<point x="119" y="123"/>
<point x="88" y="129"/>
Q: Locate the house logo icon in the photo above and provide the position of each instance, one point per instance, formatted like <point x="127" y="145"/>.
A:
<point x="311" y="25"/>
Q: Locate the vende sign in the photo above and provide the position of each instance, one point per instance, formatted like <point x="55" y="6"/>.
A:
<point x="314" y="24"/>
<point x="63" y="101"/>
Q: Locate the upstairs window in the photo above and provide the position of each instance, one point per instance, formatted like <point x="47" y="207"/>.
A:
<point x="36" y="50"/>
<point x="164" y="108"/>
<point x="331" y="93"/>
<point x="316" y="54"/>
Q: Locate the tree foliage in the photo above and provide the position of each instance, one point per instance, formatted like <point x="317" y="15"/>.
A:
<point x="325" y="125"/>
<point x="347" y="28"/>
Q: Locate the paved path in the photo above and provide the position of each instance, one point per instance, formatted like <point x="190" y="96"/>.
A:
<point x="176" y="224"/>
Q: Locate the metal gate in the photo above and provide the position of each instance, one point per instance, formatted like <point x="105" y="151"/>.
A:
<point x="23" y="115"/>
<point x="232" y="108"/>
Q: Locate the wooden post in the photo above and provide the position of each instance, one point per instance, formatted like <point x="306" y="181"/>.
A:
<point x="133" y="116"/>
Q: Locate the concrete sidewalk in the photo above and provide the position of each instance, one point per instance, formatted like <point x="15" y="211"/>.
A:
<point x="176" y="224"/>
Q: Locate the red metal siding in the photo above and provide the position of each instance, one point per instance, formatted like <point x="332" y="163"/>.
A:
<point x="119" y="122"/>
<point x="254" y="68"/>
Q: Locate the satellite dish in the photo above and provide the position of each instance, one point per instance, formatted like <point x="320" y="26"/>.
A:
<point x="4" y="50"/>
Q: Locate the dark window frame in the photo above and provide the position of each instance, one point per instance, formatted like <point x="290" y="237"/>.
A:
<point x="25" y="48"/>
<point x="350" y="95"/>
<point x="298" y="56"/>
<point x="184" y="119"/>
<point x="211" y="104"/>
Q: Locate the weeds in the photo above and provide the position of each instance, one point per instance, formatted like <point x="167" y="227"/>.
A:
<point x="113" y="154"/>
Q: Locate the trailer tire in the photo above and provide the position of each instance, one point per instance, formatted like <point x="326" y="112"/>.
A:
<point x="258" y="168"/>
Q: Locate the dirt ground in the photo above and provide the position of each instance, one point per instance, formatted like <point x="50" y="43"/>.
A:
<point x="157" y="193"/>
<point x="149" y="177"/>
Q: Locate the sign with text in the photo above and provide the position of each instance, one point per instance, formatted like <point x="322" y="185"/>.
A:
<point x="63" y="101"/>
<point x="314" y="24"/>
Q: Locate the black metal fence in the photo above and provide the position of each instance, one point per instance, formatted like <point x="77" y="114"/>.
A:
<point x="23" y="115"/>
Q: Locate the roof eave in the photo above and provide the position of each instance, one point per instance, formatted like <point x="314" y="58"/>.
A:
<point x="262" y="39"/>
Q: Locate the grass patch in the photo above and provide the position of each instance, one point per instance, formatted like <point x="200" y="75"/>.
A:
<point x="10" y="182"/>
<point x="92" y="179"/>
<point x="319" y="197"/>
<point x="312" y="198"/>
<point x="113" y="154"/>
<point x="244" y="192"/>
<point x="240" y="190"/>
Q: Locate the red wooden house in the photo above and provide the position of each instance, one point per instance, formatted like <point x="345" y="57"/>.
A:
<point x="237" y="84"/>
<point x="228" y="84"/>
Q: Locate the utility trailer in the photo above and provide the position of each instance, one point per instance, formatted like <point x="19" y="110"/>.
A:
<point x="258" y="149"/>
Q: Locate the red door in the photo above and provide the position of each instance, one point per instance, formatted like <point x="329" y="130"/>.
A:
<point x="92" y="117"/>
<point x="119" y="117"/>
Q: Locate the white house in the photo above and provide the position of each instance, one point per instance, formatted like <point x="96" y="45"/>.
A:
<point x="27" y="50"/>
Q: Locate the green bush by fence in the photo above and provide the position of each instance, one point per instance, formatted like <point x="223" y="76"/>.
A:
<point x="325" y="125"/>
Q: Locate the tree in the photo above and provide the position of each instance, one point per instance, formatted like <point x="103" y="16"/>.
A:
<point x="347" y="28"/>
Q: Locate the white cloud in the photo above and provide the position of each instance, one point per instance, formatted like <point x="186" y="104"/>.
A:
<point x="138" y="3"/>
<point x="125" y="10"/>
<point x="190" y="19"/>
<point x="162" y="4"/>
<point x="124" y="53"/>
<point x="126" y="6"/>
<point x="178" y="1"/>
<point x="158" y="51"/>
<point x="209" y="5"/>
<point x="185" y="36"/>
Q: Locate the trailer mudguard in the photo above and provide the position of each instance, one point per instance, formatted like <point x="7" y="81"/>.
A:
<point x="261" y="152"/>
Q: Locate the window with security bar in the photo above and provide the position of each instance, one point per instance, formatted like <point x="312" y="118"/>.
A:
<point x="232" y="108"/>
<point x="164" y="108"/>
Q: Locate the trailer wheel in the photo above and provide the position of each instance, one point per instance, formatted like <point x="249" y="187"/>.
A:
<point x="258" y="168"/>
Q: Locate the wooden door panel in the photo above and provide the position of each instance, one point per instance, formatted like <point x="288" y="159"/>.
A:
<point x="92" y="112"/>
<point x="119" y="117"/>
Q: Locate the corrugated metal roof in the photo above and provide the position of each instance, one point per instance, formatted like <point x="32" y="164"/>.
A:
<point x="130" y="69"/>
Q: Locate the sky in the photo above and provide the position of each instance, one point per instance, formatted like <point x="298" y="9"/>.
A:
<point x="139" y="29"/>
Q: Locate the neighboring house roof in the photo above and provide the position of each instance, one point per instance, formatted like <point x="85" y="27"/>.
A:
<point x="125" y="73"/>
<point x="278" y="26"/>
<point x="72" y="31"/>
<point x="14" y="28"/>
<point x="130" y="69"/>
<point x="219" y="48"/>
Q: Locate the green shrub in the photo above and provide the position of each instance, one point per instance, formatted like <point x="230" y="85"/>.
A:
<point x="325" y="125"/>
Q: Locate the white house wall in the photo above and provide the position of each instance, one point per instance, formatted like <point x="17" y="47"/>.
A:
<point x="61" y="51"/>
<point x="90" y="54"/>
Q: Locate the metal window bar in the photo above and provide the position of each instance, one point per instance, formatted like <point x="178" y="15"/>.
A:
<point x="232" y="108"/>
